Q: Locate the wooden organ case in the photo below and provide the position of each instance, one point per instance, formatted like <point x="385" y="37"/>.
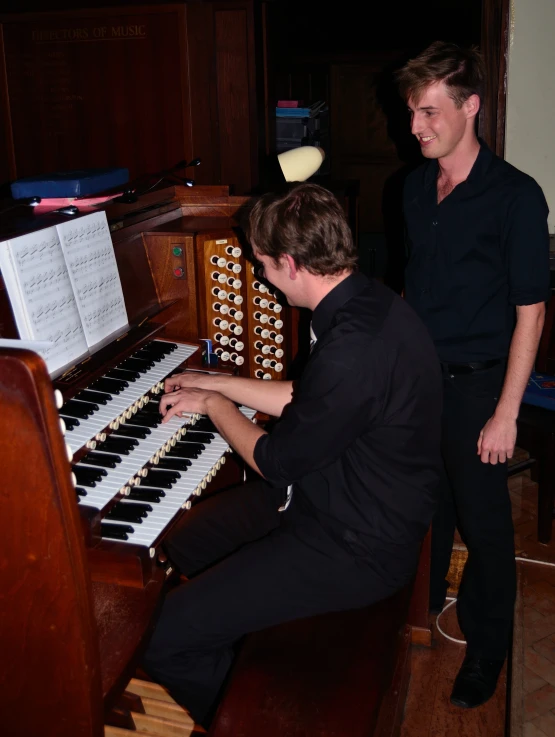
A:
<point x="235" y="308"/>
<point x="76" y="607"/>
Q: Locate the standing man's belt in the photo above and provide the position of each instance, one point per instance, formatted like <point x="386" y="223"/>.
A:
<point x="469" y="368"/>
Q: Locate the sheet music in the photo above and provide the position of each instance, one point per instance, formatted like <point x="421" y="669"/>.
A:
<point x="89" y="254"/>
<point x="45" y="308"/>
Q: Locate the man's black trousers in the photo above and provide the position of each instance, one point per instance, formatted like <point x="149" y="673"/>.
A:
<point x="475" y="499"/>
<point x="270" y="567"/>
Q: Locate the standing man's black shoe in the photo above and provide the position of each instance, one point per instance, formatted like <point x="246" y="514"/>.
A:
<point x="476" y="681"/>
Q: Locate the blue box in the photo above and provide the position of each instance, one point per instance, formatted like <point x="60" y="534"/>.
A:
<point x="77" y="183"/>
<point x="540" y="391"/>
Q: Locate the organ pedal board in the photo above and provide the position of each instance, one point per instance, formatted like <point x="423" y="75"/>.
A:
<point x="151" y="712"/>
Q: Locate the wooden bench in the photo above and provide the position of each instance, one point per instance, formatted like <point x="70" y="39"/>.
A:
<point x="342" y="673"/>
<point x="336" y="674"/>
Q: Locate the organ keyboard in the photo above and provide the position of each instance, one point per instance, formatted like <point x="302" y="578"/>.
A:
<point x="145" y="471"/>
<point x="93" y="480"/>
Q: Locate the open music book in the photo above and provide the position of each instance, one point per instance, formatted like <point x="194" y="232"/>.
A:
<point x="64" y="287"/>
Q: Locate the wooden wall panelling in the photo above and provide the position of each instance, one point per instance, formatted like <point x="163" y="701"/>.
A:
<point x="236" y="91"/>
<point x="141" y="87"/>
<point x="203" y="99"/>
<point x="98" y="87"/>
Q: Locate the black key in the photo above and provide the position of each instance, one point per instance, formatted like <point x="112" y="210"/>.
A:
<point x="158" y="482"/>
<point x="144" y="420"/>
<point x="70" y="410"/>
<point x="105" y="460"/>
<point x="146" y="495"/>
<point x="150" y="354"/>
<point x="117" y="445"/>
<point x="97" y="397"/>
<point x="181" y="452"/>
<point x="88" y="474"/>
<point x="154" y="474"/>
<point x="85" y="480"/>
<point x="152" y="415"/>
<point x="70" y="422"/>
<point x="147" y="355"/>
<point x="160" y="345"/>
<point x="130" y="431"/>
<point x="116" y="532"/>
<point x="202" y="437"/>
<point x="111" y="386"/>
<point x="190" y="445"/>
<point x="80" y="491"/>
<point x="118" y="373"/>
<point x="87" y="406"/>
<point x="205" y="424"/>
<point x="139" y="507"/>
<point x="135" y="512"/>
<point x="174" y="464"/>
<point x="136" y="364"/>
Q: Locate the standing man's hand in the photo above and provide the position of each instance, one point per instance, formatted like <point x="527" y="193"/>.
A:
<point x="497" y="440"/>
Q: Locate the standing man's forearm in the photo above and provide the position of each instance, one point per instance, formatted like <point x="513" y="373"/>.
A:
<point x="522" y="354"/>
<point x="497" y="440"/>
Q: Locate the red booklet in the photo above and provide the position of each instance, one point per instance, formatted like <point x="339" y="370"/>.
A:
<point x="47" y="204"/>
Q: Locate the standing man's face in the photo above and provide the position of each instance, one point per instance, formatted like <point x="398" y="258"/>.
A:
<point x="438" y="124"/>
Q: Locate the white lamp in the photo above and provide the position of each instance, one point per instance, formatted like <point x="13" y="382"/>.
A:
<point x="298" y="164"/>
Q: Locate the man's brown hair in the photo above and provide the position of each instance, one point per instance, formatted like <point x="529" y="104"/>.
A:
<point x="306" y="222"/>
<point x="461" y="70"/>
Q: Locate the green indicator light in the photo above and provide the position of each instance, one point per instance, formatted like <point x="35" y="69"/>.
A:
<point x="177" y="251"/>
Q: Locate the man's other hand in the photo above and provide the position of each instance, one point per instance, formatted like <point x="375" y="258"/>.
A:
<point x="497" y="440"/>
<point x="190" y="400"/>
<point x="186" y="380"/>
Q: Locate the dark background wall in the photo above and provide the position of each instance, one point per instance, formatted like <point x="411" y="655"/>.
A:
<point x="343" y="52"/>
<point x="347" y="56"/>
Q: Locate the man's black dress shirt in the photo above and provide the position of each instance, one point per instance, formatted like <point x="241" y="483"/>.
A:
<point x="360" y="440"/>
<point x="473" y="257"/>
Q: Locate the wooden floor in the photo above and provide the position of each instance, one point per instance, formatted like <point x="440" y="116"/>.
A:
<point x="428" y="712"/>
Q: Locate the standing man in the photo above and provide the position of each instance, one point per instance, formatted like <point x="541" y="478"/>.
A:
<point x="348" y="474"/>
<point x="477" y="275"/>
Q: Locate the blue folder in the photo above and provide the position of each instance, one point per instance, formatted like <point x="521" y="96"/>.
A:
<point x="77" y="183"/>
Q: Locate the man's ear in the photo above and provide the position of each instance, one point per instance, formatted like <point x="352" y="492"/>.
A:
<point x="289" y="263"/>
<point x="472" y="106"/>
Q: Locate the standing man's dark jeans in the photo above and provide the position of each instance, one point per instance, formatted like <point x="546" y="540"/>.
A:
<point x="475" y="498"/>
<point x="251" y="568"/>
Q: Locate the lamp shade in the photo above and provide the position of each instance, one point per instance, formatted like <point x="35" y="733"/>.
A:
<point x="298" y="164"/>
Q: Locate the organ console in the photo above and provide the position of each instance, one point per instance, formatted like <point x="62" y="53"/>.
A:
<point x="92" y="481"/>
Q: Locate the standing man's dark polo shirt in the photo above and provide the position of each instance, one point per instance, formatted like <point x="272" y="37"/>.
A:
<point x="360" y="440"/>
<point x="473" y="257"/>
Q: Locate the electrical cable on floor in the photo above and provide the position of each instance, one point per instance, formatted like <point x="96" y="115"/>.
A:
<point x="452" y="600"/>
